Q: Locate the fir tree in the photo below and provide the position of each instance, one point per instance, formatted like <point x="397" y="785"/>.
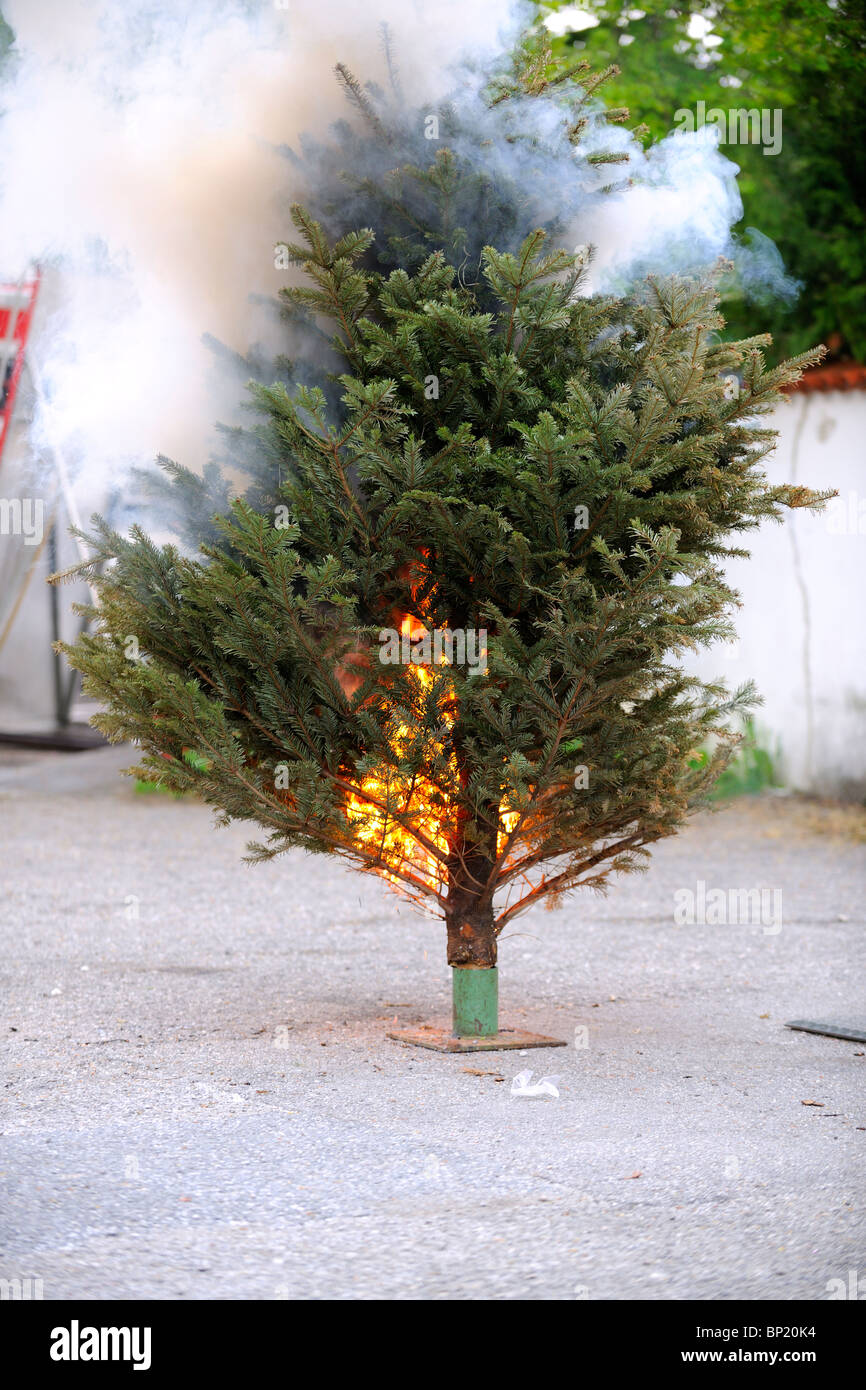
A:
<point x="458" y="511"/>
<point x="448" y="649"/>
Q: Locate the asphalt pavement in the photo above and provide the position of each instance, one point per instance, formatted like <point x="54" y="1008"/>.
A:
<point x="200" y="1100"/>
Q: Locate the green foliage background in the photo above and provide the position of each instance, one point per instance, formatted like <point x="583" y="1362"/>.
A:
<point x="806" y="57"/>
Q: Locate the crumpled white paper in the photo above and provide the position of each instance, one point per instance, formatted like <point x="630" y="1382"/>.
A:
<point x="545" y="1087"/>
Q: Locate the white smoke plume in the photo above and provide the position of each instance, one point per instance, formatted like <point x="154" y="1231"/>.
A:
<point x="139" y="160"/>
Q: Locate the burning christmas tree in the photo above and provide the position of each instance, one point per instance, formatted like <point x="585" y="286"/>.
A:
<point x="446" y="647"/>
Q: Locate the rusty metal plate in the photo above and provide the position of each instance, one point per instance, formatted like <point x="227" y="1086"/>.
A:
<point x="443" y="1040"/>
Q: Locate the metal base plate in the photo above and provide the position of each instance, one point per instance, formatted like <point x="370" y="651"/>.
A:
<point x="73" y="738"/>
<point x="830" y="1030"/>
<point x="443" y="1040"/>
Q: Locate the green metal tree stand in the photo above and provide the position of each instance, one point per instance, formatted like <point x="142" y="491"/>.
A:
<point x="474" y="1019"/>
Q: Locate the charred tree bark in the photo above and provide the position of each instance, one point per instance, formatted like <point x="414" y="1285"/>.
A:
<point x="468" y="918"/>
<point x="471" y="938"/>
<point x="469" y="908"/>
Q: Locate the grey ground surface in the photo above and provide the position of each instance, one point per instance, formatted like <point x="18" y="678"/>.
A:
<point x="200" y="1101"/>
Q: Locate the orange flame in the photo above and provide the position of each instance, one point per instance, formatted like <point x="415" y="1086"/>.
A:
<point x="418" y="802"/>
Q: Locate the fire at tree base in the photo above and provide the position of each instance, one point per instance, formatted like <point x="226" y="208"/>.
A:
<point x="474" y="1019"/>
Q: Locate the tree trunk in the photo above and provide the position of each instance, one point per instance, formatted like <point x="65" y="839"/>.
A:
<point x="472" y="957"/>
<point x="471" y="933"/>
<point x="471" y="936"/>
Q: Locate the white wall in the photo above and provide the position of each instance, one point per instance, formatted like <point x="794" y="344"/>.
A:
<point x="802" y="627"/>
